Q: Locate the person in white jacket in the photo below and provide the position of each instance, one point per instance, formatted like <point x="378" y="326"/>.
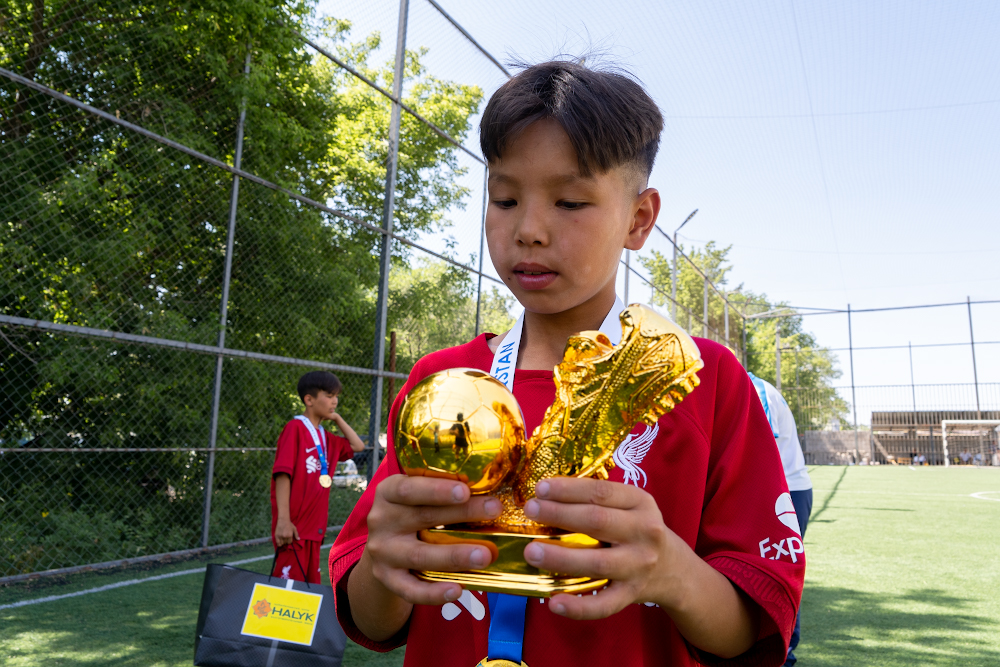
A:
<point x="779" y="415"/>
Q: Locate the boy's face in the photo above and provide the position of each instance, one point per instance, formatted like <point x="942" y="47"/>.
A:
<point x="555" y="236"/>
<point x="323" y="404"/>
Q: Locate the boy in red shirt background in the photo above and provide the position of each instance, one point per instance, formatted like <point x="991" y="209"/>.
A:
<point x="305" y="459"/>
<point x="703" y="569"/>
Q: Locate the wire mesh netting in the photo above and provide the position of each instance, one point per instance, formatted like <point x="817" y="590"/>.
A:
<point x="138" y="143"/>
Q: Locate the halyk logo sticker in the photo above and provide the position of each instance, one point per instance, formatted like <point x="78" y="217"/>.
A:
<point x="283" y="613"/>
<point x="262" y="608"/>
<point x="632" y="451"/>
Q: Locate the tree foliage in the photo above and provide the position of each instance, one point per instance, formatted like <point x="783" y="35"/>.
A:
<point x="807" y="371"/>
<point x="433" y="306"/>
<point x="104" y="228"/>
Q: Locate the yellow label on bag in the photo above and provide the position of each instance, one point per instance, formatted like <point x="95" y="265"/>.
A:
<point x="282" y="614"/>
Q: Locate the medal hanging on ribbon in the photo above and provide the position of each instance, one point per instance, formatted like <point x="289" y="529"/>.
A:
<point x="325" y="480"/>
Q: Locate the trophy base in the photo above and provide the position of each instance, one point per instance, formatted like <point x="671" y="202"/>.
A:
<point x="509" y="572"/>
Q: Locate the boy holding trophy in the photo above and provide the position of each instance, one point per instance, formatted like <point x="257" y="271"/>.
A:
<point x="697" y="564"/>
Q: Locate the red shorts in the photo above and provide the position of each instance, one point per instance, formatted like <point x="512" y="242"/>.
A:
<point x="292" y="558"/>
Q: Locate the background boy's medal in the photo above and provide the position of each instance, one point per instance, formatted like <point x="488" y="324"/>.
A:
<point x="603" y="389"/>
<point x="324" y="469"/>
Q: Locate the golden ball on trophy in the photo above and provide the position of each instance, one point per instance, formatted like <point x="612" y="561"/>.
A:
<point x="460" y="424"/>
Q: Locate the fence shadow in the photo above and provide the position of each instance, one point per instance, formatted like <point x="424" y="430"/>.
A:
<point x="841" y="626"/>
<point x="815" y="517"/>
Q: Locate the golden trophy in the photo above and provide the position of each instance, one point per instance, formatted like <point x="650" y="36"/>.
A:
<point x="463" y="424"/>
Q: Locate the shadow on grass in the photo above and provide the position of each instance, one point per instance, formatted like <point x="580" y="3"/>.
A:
<point x="841" y="626"/>
<point x="815" y="518"/>
<point x="147" y="625"/>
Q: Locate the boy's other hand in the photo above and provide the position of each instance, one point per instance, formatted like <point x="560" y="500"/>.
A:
<point x="646" y="562"/>
<point x="404" y="505"/>
<point x="285" y="532"/>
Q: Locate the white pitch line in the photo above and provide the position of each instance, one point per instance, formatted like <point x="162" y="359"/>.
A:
<point x="979" y="495"/>
<point x="898" y="493"/>
<point x="132" y="582"/>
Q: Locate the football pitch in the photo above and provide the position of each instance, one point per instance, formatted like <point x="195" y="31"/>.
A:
<point x="903" y="570"/>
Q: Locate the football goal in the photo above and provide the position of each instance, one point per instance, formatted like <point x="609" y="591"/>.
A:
<point x="967" y="427"/>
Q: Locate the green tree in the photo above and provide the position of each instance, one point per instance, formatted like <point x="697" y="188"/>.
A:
<point x="103" y="228"/>
<point x="433" y="306"/>
<point x="807" y="371"/>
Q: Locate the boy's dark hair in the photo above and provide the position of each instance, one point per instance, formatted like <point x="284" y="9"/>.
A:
<point x="314" y="382"/>
<point x="610" y="119"/>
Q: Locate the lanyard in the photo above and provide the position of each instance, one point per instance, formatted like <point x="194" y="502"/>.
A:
<point x="506" y="640"/>
<point x="505" y="358"/>
<point x="324" y="469"/>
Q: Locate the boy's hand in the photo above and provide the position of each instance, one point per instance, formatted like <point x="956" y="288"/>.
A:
<point x="285" y="532"/>
<point x="404" y="505"/>
<point x="646" y="563"/>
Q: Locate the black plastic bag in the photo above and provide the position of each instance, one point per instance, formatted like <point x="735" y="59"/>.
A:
<point x="236" y="626"/>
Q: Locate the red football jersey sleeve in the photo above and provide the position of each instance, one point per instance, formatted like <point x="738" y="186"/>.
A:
<point x="286" y="454"/>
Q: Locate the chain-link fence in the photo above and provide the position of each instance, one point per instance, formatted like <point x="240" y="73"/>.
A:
<point x="199" y="203"/>
<point x="946" y="382"/>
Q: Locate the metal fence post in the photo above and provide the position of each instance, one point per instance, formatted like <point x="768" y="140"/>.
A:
<point x="744" y="335"/>
<point x="482" y="246"/>
<point x="725" y="315"/>
<point x="382" y="305"/>
<point x="854" y="401"/>
<point x="975" y="371"/>
<point x="223" y="311"/>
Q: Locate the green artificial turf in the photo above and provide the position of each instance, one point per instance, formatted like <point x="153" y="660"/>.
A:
<point x="150" y="624"/>
<point x="903" y="570"/>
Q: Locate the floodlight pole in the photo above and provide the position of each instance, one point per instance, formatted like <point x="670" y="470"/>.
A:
<point x="673" y="288"/>
<point x="704" y="308"/>
<point x="385" y="260"/>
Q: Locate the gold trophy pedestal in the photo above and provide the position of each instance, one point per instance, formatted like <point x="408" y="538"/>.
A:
<point x="509" y="572"/>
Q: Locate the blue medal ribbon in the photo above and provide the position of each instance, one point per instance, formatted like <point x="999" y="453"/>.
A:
<point x="506" y="640"/>
<point x="324" y="468"/>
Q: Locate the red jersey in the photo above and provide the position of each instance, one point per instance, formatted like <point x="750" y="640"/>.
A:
<point x="713" y="467"/>
<point x="308" y="502"/>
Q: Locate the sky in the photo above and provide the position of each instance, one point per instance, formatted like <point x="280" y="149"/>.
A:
<point x="849" y="152"/>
